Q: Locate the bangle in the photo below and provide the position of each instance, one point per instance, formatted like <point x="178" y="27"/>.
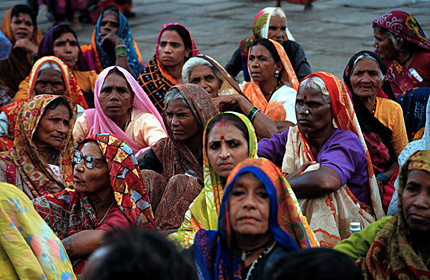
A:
<point x="254" y="111"/>
<point x="383" y="178"/>
<point x="120" y="50"/>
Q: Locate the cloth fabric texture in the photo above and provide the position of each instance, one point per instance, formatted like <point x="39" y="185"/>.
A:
<point x="5" y="47"/>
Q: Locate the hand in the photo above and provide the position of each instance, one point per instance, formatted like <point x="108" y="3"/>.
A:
<point x="299" y="171"/>
<point x="225" y="101"/>
<point x="113" y="38"/>
<point x="380" y="187"/>
<point x="26" y="45"/>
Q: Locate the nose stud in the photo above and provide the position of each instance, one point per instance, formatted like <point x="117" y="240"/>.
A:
<point x="307" y="112"/>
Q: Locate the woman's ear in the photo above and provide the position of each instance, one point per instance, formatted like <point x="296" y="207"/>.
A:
<point x="279" y="66"/>
<point x="187" y="53"/>
<point x="399" y="41"/>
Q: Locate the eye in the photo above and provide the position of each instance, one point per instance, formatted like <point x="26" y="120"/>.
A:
<point x="284" y="28"/>
<point x="175" y="45"/>
<point x="209" y="78"/>
<point x="28" y="23"/>
<point x="263" y="194"/>
<point x="195" y="81"/>
<point x="74" y="43"/>
<point x="251" y="58"/>
<point x="115" y="24"/>
<point x="214" y="145"/>
<point x="272" y="27"/>
<point x="233" y="143"/>
<point x="299" y="102"/>
<point x="66" y="122"/>
<point x="169" y="115"/>
<point x="237" y="193"/>
<point x="162" y="44"/>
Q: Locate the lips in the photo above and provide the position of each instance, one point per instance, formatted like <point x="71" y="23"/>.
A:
<point x="77" y="180"/>
<point x="226" y="166"/>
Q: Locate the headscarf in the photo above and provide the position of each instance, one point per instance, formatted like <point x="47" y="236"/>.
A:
<point x="273" y="109"/>
<point x="37" y="177"/>
<point x="216" y="252"/>
<point x="18" y="65"/>
<point x="46" y="48"/>
<point x="391" y="255"/>
<point x="28" y="247"/>
<point x="99" y="122"/>
<point x="5" y="47"/>
<point x="203" y="212"/>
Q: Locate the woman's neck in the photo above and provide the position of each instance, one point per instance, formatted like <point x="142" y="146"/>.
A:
<point x="123" y="122"/>
<point x="195" y="145"/>
<point x="268" y="88"/>
<point x="369" y="103"/>
<point x="404" y="57"/>
<point x="252" y="246"/>
<point x="102" y="202"/>
<point x="50" y="154"/>
<point x="175" y="72"/>
<point x="317" y="140"/>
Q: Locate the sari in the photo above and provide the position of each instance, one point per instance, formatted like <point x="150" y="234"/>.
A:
<point x="19" y="62"/>
<point x="96" y="56"/>
<point x="155" y="80"/>
<point x="203" y="211"/>
<point x="391" y="255"/>
<point x="29" y="249"/>
<point x="5" y="47"/>
<point x="23" y="165"/>
<point x="276" y="110"/>
<point x="330" y="215"/>
<point x="215" y="251"/>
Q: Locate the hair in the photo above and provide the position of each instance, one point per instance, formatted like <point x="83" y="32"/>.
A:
<point x="279" y="12"/>
<point x="140" y="254"/>
<point x="193" y="62"/>
<point x="316" y="83"/>
<point x="366" y="55"/>
<point x="183" y="33"/>
<point x="406" y="45"/>
<point x="112" y="9"/>
<point x="174" y="94"/>
<point x="269" y="46"/>
<point x="56" y="102"/>
<point x="62" y="29"/>
<point x="50" y="65"/>
<point x="314" y="264"/>
<point x="23" y="9"/>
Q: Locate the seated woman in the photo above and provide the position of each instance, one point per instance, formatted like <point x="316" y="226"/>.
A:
<point x="406" y="53"/>
<point x="381" y="120"/>
<point x="397" y="247"/>
<point x="339" y="186"/>
<point x="204" y="71"/>
<point x="108" y="193"/>
<point x="172" y="168"/>
<point x="112" y="44"/>
<point x="30" y="249"/>
<point x="174" y="47"/>
<point x="259" y="222"/>
<point x="40" y="160"/>
<point x="20" y="27"/>
<point x="61" y="41"/>
<point x="273" y="85"/>
<point x="123" y="109"/>
<point x="270" y="23"/>
<point x="228" y="139"/>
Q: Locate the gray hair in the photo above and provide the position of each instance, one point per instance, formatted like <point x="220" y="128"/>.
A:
<point x="366" y="55"/>
<point x="281" y="14"/>
<point x="174" y="94"/>
<point x="49" y="65"/>
<point x="316" y="83"/>
<point x="193" y="62"/>
<point x="388" y="35"/>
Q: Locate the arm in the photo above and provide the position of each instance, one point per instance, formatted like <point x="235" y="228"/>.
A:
<point x="298" y="59"/>
<point x="119" y="60"/>
<point x="234" y="66"/>
<point x="273" y="148"/>
<point x="83" y="243"/>
<point x="80" y="130"/>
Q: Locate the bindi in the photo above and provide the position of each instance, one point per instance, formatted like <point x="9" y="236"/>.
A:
<point x="305" y="97"/>
<point x="222" y="137"/>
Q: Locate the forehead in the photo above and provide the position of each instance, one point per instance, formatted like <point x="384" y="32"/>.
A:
<point x="91" y="148"/>
<point x="310" y="94"/>
<point x="115" y="80"/>
<point x="366" y="63"/>
<point x="248" y="181"/>
<point x="171" y="35"/>
<point x="61" y="109"/>
<point x="176" y="105"/>
<point x="276" y="20"/>
<point x="201" y="70"/>
<point x="227" y="130"/>
<point x="66" y="36"/>
<point x="418" y="176"/>
<point x="49" y="74"/>
<point x="260" y="50"/>
<point x="110" y="16"/>
<point x="22" y="16"/>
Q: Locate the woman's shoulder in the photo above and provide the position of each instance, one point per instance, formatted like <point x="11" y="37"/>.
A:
<point x="387" y="103"/>
<point x="341" y="135"/>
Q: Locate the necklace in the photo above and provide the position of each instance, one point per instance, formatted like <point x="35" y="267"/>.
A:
<point x="374" y="108"/>
<point x="422" y="258"/>
<point x="407" y="59"/>
<point x="254" y="263"/>
<point x="104" y="217"/>
<point x="278" y="85"/>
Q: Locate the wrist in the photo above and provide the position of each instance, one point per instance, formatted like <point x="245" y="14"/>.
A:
<point x="253" y="113"/>
<point x="383" y="178"/>
<point x="120" y="50"/>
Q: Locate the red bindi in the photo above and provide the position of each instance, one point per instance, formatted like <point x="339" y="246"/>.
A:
<point x="256" y="53"/>
<point x="305" y="97"/>
<point x="222" y="137"/>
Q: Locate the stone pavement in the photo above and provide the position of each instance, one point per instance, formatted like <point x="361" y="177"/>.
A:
<point x="330" y="33"/>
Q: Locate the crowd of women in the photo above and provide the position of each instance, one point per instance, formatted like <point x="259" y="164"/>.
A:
<point x="245" y="178"/>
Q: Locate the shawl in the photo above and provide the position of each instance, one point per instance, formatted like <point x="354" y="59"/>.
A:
<point x="28" y="247"/>
<point x="99" y="122"/>
<point x="24" y="162"/>
<point x="391" y="255"/>
<point x="18" y="65"/>
<point x="273" y="109"/>
<point x="69" y="212"/>
<point x="155" y="79"/>
<point x="203" y="212"/>
<point x="330" y="215"/>
<point x="96" y="56"/>
<point x="5" y="47"/>
<point x="216" y="252"/>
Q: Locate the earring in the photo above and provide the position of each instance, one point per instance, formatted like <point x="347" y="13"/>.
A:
<point x="277" y="73"/>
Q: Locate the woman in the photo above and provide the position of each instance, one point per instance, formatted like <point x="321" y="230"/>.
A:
<point x="121" y="108"/>
<point x="30" y="249"/>
<point x="20" y="27"/>
<point x="400" y="40"/>
<point x="259" y="222"/>
<point x="172" y="169"/>
<point x="174" y="47"/>
<point x="39" y="162"/>
<point x="397" y="247"/>
<point x="108" y="193"/>
<point x="112" y="44"/>
<point x="381" y="120"/>
<point x="228" y="139"/>
<point x="338" y="186"/>
<point x="274" y="84"/>
<point x="270" y="23"/>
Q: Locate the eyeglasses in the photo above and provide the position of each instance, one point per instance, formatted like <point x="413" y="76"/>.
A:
<point x="89" y="161"/>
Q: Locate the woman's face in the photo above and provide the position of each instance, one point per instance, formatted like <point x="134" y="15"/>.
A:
<point x="384" y="46"/>
<point x="226" y="147"/>
<point x="108" y="24"/>
<point x="115" y="97"/>
<point x="249" y="206"/>
<point x="277" y="29"/>
<point x="22" y="27"/>
<point x="49" y="81"/>
<point x="203" y="76"/>
<point x="365" y="78"/>
<point x="171" y="49"/>
<point x="53" y="128"/>
<point x="91" y="180"/>
<point x="66" y="48"/>
<point x="262" y="66"/>
<point x="313" y="113"/>
<point x="416" y="200"/>
<point x="181" y="121"/>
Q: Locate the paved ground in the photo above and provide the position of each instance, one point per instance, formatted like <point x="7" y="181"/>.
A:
<point x="330" y="33"/>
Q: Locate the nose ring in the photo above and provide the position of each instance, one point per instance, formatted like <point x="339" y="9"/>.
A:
<point x="307" y="112"/>
<point x="228" y="154"/>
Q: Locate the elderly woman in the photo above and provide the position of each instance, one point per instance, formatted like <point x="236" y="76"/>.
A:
<point x="338" y="186"/>
<point x="39" y="162"/>
<point x="112" y="44"/>
<point x="172" y="169"/>
<point x="123" y="109"/>
<point x="259" y="222"/>
<point x="270" y="23"/>
<point x="204" y="71"/>
<point x="174" y="47"/>
<point x="108" y="193"/>
<point x="397" y="247"/>
<point x="381" y="120"/>
<point x="20" y="27"/>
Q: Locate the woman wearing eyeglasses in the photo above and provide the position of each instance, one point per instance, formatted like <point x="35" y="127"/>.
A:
<point x="109" y="193"/>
